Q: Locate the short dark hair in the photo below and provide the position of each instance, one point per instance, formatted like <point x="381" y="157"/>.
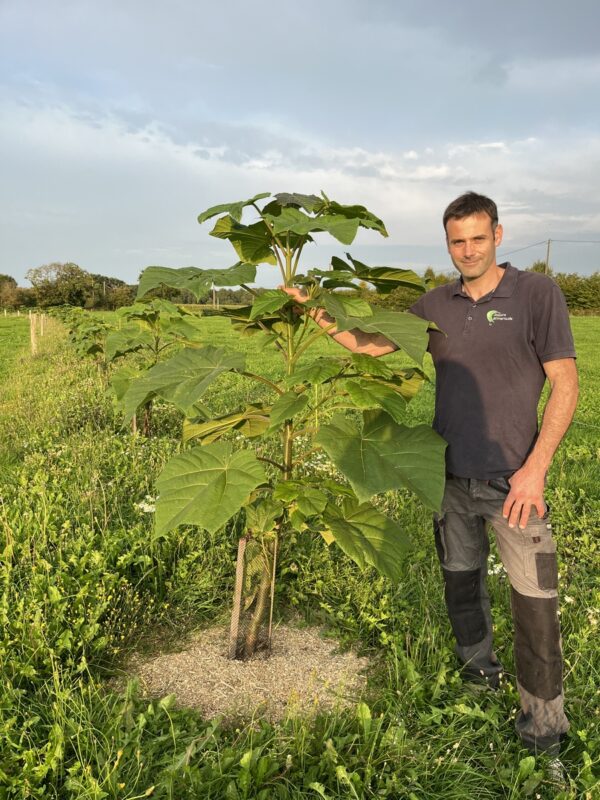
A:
<point x="471" y="203"/>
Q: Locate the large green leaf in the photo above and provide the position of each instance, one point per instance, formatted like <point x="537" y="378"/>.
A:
<point x="252" y="243"/>
<point x="385" y="279"/>
<point x="252" y="421"/>
<point x="205" y="487"/>
<point x="121" y="380"/>
<point x="337" y="304"/>
<point x="262" y="515"/>
<point x="368" y="536"/>
<point x="287" y="406"/>
<point x="405" y="330"/>
<point x="269" y="301"/>
<point x="366" y="218"/>
<point x="372" y="366"/>
<point x="385" y="455"/>
<point x="127" y="340"/>
<point x="195" y="280"/>
<point x="182" y="379"/>
<point x="287" y="490"/>
<point x="373" y="394"/>
<point x="188" y="330"/>
<point x="296" y="221"/>
<point x="233" y="209"/>
<point x="318" y="371"/>
<point x="310" y="202"/>
<point x="177" y="278"/>
<point x="311" y="501"/>
<point x="151" y="311"/>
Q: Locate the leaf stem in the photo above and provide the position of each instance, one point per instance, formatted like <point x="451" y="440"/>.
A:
<point x="297" y="259"/>
<point x="266" y="381"/>
<point x="313" y="338"/>
<point x="270" y="461"/>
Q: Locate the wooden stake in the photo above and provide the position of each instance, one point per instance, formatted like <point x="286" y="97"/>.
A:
<point x="272" y="592"/>
<point x="237" y="598"/>
<point x="32" y="334"/>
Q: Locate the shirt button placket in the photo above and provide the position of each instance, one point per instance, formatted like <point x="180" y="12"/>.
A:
<point x="469" y="318"/>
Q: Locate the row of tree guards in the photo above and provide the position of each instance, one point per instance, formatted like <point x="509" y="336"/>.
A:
<point x="37" y="324"/>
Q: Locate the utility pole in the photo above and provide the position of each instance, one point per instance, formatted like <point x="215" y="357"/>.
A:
<point x="547" y="264"/>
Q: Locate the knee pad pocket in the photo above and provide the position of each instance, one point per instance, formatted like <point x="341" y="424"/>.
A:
<point x="463" y="600"/>
<point x="537" y="644"/>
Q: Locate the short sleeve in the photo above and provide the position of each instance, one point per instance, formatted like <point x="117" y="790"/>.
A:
<point x="552" y="330"/>
<point x="418" y="308"/>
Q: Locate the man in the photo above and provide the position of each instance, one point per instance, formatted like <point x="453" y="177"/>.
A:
<point x="503" y="332"/>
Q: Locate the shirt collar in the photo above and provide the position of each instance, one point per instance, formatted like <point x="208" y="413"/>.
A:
<point x="505" y="288"/>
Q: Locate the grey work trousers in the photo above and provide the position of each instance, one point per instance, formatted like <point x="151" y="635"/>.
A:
<point x="529" y="557"/>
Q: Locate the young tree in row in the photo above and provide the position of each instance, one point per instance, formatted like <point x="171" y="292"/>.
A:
<point x="205" y="485"/>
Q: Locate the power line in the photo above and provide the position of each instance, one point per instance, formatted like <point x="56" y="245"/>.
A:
<point x="527" y="246"/>
<point x="545" y="241"/>
<point x="578" y="241"/>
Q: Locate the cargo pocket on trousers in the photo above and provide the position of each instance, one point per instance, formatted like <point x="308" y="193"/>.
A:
<point x="547" y="570"/>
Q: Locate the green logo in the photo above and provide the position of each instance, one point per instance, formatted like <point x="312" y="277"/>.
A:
<point x="497" y="316"/>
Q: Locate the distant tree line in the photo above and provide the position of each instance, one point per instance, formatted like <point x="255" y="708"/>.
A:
<point x="582" y="292"/>
<point x="59" y="284"/>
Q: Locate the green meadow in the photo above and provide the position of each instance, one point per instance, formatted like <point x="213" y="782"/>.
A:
<point x="83" y="583"/>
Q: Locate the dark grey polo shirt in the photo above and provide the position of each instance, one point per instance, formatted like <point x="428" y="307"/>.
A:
<point x="488" y="363"/>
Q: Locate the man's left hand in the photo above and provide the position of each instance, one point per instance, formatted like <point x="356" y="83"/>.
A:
<point x="526" y="492"/>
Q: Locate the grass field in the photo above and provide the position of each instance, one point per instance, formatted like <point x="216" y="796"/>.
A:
<point x="82" y="582"/>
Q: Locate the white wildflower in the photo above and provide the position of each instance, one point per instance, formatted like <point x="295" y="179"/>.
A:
<point x="148" y="504"/>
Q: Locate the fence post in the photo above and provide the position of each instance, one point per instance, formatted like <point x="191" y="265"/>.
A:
<point x="32" y="334"/>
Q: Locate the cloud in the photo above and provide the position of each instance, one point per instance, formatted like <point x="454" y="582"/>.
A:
<point x="552" y="75"/>
<point x="113" y="196"/>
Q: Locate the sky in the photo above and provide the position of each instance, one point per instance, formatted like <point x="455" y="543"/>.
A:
<point x="121" y="121"/>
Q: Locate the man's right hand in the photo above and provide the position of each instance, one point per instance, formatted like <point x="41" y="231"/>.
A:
<point x="299" y="295"/>
<point x="373" y="344"/>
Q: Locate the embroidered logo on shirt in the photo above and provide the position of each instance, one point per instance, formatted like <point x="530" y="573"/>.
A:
<point x="497" y="316"/>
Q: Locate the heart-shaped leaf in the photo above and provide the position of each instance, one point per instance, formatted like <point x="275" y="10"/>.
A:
<point x="366" y="393"/>
<point x="269" y="301"/>
<point x="182" y="379"/>
<point x="195" y="280"/>
<point x="252" y="243"/>
<point x="233" y="209"/>
<point x="368" y="537"/>
<point x="405" y="330"/>
<point x="287" y="406"/>
<point x="385" y="455"/>
<point x="205" y="487"/>
<point x="316" y="372"/>
<point x="337" y="303"/>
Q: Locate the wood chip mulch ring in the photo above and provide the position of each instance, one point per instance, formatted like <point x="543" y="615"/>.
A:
<point x="304" y="675"/>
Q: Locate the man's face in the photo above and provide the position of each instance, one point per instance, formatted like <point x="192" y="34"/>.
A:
<point x="472" y="244"/>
